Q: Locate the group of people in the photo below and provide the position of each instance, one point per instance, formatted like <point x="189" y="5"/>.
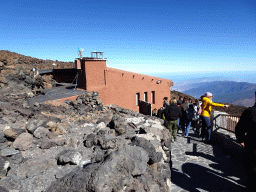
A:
<point x="182" y="113"/>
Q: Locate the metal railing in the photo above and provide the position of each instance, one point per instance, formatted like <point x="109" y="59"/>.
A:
<point x="227" y="122"/>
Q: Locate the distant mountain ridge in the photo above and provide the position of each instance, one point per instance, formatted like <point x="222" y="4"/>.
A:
<point x="239" y="93"/>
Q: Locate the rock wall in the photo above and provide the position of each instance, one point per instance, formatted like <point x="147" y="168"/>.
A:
<point x="82" y="146"/>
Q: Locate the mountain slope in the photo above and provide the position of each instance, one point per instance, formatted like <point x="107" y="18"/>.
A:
<point x="240" y="93"/>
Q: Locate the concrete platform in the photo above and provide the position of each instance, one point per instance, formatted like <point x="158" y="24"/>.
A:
<point x="200" y="167"/>
<point x="57" y="94"/>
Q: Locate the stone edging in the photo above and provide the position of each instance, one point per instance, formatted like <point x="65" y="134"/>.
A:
<point x="227" y="141"/>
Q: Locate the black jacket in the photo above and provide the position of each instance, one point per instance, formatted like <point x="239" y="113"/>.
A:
<point x="247" y="125"/>
<point x="172" y="112"/>
<point x="179" y="102"/>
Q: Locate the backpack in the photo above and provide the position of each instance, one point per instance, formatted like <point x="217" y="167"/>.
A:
<point x="190" y="113"/>
<point x="170" y="113"/>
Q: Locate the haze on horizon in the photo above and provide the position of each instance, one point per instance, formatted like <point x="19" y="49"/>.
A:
<point x="173" y="36"/>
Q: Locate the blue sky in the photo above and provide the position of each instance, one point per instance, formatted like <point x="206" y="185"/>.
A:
<point x="164" y="36"/>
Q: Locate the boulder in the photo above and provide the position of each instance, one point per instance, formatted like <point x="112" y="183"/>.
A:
<point x="23" y="142"/>
<point x="2" y="137"/>
<point x="89" y="141"/>
<point x="4" y="166"/>
<point x="116" y="172"/>
<point x="40" y="132"/>
<point x="47" y="143"/>
<point x="154" y="156"/>
<point x="33" y="124"/>
<point x="12" y="133"/>
<point x="11" y="184"/>
<point x="8" y="152"/>
<point x="60" y="141"/>
<point x="69" y="156"/>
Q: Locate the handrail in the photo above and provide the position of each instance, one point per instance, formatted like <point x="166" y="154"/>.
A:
<point x="227" y="122"/>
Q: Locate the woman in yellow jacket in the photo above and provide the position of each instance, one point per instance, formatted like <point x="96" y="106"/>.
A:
<point x="205" y="115"/>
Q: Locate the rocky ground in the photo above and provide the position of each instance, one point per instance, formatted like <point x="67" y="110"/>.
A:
<point x="82" y="146"/>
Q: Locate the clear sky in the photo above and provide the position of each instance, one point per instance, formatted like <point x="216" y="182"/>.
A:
<point x="163" y="36"/>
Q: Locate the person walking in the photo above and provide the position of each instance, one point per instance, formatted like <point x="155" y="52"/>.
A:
<point x="187" y="115"/>
<point x="207" y="105"/>
<point x="179" y="102"/>
<point x="245" y="132"/>
<point x="196" y="119"/>
<point x="172" y="112"/>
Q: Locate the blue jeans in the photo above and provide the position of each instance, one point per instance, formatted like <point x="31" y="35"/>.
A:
<point x="206" y="128"/>
<point x="185" y="126"/>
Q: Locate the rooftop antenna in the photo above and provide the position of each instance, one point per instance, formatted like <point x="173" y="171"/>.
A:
<point x="80" y="52"/>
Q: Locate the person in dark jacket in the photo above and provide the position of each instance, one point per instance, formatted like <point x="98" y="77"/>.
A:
<point x="180" y="100"/>
<point x="185" y="122"/>
<point x="179" y="103"/>
<point x="172" y="112"/>
<point x="245" y="131"/>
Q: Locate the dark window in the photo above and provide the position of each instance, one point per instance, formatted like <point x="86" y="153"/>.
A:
<point x="146" y="96"/>
<point x="153" y="97"/>
<point x="137" y="98"/>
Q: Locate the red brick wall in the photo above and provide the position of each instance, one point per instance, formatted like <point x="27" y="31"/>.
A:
<point x="120" y="87"/>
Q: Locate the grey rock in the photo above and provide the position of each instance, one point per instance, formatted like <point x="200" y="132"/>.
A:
<point x="33" y="124"/>
<point x="99" y="155"/>
<point x="51" y="135"/>
<point x="119" y="124"/>
<point x="47" y="143"/>
<point x="66" y="170"/>
<point x="40" y="132"/>
<point x="23" y="142"/>
<point x="11" y="183"/>
<point x="2" y="189"/>
<point x="69" y="156"/>
<point x="149" y="148"/>
<point x="3" y="122"/>
<point x="38" y="166"/>
<point x="16" y="158"/>
<point x="89" y="141"/>
<point x="4" y="166"/>
<point x="3" y="145"/>
<point x="2" y="137"/>
<point x="12" y="133"/>
<point x="38" y="183"/>
<point x="60" y="141"/>
<point x="113" y="174"/>
<point x="8" y="152"/>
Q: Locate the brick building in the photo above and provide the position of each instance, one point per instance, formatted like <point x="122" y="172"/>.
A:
<point x="119" y="87"/>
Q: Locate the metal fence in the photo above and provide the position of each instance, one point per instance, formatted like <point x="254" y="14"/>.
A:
<point x="227" y="122"/>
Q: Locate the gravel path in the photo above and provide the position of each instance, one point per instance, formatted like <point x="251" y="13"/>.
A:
<point x="202" y="167"/>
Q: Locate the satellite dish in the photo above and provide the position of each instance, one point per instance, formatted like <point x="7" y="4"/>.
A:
<point x="80" y="52"/>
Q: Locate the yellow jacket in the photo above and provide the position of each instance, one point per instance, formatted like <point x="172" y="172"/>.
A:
<point x="207" y="106"/>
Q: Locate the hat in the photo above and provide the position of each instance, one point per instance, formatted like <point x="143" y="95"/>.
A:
<point x="208" y="94"/>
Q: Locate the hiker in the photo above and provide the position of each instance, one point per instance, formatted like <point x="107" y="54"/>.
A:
<point x="205" y="116"/>
<point x="179" y="102"/>
<point x="187" y="115"/>
<point x="171" y="113"/>
<point x="245" y="131"/>
<point x="190" y="100"/>
<point x="196" y="119"/>
<point x="165" y="102"/>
